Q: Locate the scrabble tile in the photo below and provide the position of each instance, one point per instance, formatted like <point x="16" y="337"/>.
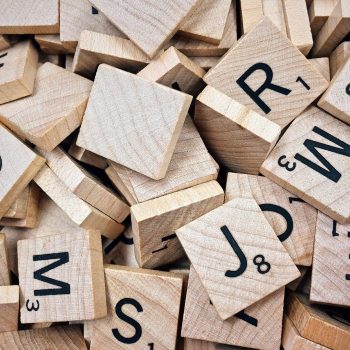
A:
<point x="18" y="208"/>
<point x="299" y="164"/>
<point x="137" y="20"/>
<point x="291" y="339"/>
<point x="273" y="9"/>
<point x="4" y="42"/>
<point x="336" y="99"/>
<point x="18" y="165"/>
<point x="77" y="274"/>
<point x="18" y="65"/>
<point x="60" y="337"/>
<point x="190" y="165"/>
<point x="259" y="326"/>
<point x="322" y="65"/>
<point x="333" y="31"/>
<point x="205" y="62"/>
<point x="330" y="282"/>
<point x="50" y="44"/>
<point x="96" y="48"/>
<point x="260" y="80"/>
<point x="80" y="15"/>
<point x="154" y="221"/>
<point x="195" y="344"/>
<point x="319" y="12"/>
<point x="9" y="306"/>
<point x="339" y="56"/>
<point x="236" y="269"/>
<point x="292" y="219"/>
<point x="78" y="210"/>
<point x="85" y="186"/>
<point x="53" y="111"/>
<point x="143" y="310"/>
<point x="316" y="325"/>
<point x="251" y="13"/>
<point x="235" y="135"/>
<point x="173" y="68"/>
<point x="207" y="21"/>
<point x="153" y="118"/>
<point x="4" y="267"/>
<point x="26" y="17"/>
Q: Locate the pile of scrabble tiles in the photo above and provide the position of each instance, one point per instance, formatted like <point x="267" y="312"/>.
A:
<point x="174" y="174"/>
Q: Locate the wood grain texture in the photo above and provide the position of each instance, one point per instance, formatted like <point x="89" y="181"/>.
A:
<point x="154" y="221"/>
<point x="53" y="338"/>
<point x="231" y="278"/>
<point x="319" y="12"/>
<point x="251" y="13"/>
<point x="331" y="263"/>
<point x="78" y="210"/>
<point x="190" y="165"/>
<point x="140" y="134"/>
<point x="235" y="135"/>
<point x="96" y="48"/>
<point x="336" y="99"/>
<point x="265" y="43"/>
<point x="18" y="17"/>
<point x="205" y="62"/>
<point x="82" y="271"/>
<point x="273" y="9"/>
<point x="173" y="67"/>
<point x="18" y="70"/>
<point x="19" y="165"/>
<point x="158" y="294"/>
<point x="322" y="65"/>
<point x="195" y="344"/>
<point x="4" y="265"/>
<point x="53" y="111"/>
<point x="263" y="331"/>
<point x="9" y="306"/>
<point x="339" y="56"/>
<point x="293" y="222"/>
<point x="18" y="208"/>
<point x="207" y="21"/>
<point x="325" y="189"/>
<point x="50" y="44"/>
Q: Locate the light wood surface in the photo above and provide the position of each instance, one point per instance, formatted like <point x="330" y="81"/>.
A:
<point x="251" y="13"/>
<point x="339" y="56"/>
<point x="9" y="306"/>
<point x="4" y="265"/>
<point x="18" y="208"/>
<point x="195" y="344"/>
<point x="50" y="44"/>
<point x="319" y="12"/>
<point x="322" y="65"/>
<point x="205" y="62"/>
<point x="273" y="9"/>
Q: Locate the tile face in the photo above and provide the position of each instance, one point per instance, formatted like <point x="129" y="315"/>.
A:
<point x="237" y="255"/>
<point x="293" y="220"/>
<point x="312" y="160"/>
<point x="61" y="278"/>
<point x="330" y="282"/>
<point x="9" y="306"/>
<point x="143" y="309"/>
<point x="266" y="73"/>
<point x="139" y="121"/>
<point x="258" y="326"/>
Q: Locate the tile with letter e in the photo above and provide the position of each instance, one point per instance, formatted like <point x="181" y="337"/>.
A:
<point x="143" y="310"/>
<point x="237" y="255"/>
<point x="293" y="220"/>
<point x="312" y="160"/>
<point x="266" y="73"/>
<point x="61" y="278"/>
<point x="9" y="306"/>
<point x="330" y="282"/>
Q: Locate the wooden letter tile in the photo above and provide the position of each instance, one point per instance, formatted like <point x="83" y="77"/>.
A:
<point x="143" y="310"/>
<point x="300" y="164"/>
<point x="238" y="137"/>
<point x="143" y="131"/>
<point x="339" y="56"/>
<point x="9" y="306"/>
<point x="4" y="267"/>
<point x="273" y="9"/>
<point x="319" y="11"/>
<point x="251" y="13"/>
<point x="237" y="255"/>
<point x="256" y="74"/>
<point x="61" y="278"/>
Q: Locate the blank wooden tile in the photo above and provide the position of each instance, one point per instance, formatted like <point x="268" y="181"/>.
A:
<point x="4" y="266"/>
<point x="9" y="306"/>
<point x="339" y="56"/>
<point x="336" y="99"/>
<point x="319" y="11"/>
<point x="279" y="86"/>
<point x="190" y="165"/>
<point x="235" y="135"/>
<point x="4" y="42"/>
<point x="273" y="9"/>
<point x="258" y="326"/>
<point x="330" y="282"/>
<point x="96" y="48"/>
<point x="236" y="268"/>
<point x="53" y="111"/>
<point x="322" y="65"/>
<point x="251" y="13"/>
<point x="333" y="31"/>
<point x="18" y="165"/>
<point x="74" y="290"/>
<point x="299" y="164"/>
<point x="50" y="44"/>
<point x="316" y="325"/>
<point x="143" y="309"/>
<point x="153" y="118"/>
<point x="18" y="65"/>
<point x="293" y="220"/>
<point x="18" y="208"/>
<point x="207" y="21"/>
<point x="173" y="68"/>
<point x="26" y="17"/>
<point x="154" y="221"/>
<point x="53" y="338"/>
<point x="205" y="62"/>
